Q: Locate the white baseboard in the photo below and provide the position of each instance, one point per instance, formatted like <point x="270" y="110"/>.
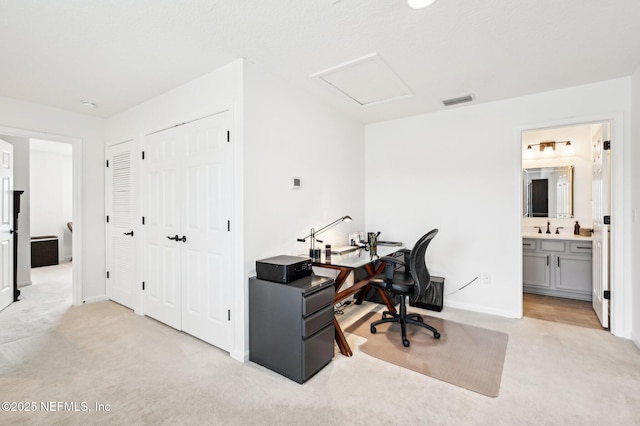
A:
<point x="240" y="356"/>
<point x="24" y="284"/>
<point x="95" y="299"/>
<point x="483" y="310"/>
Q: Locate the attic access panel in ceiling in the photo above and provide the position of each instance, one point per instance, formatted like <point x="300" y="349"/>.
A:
<point x="367" y="80"/>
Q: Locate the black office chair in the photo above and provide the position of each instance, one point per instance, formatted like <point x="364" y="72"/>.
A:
<point x="412" y="281"/>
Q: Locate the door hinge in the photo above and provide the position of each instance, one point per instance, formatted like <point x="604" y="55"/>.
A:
<point x="143" y="220"/>
<point x="107" y="218"/>
<point x="107" y="163"/>
<point x="228" y="136"/>
<point x="107" y="274"/>
<point x="229" y="314"/>
<point x="607" y="294"/>
<point x="228" y="225"/>
<point x="143" y="285"/>
<point x="143" y="155"/>
<point x="606" y="145"/>
<point x="606" y="220"/>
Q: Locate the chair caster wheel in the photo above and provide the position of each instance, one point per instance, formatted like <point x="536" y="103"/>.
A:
<point x="420" y="319"/>
<point x="406" y="343"/>
<point x="436" y="335"/>
<point x="373" y="330"/>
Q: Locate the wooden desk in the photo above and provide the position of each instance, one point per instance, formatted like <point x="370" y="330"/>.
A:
<point x="345" y="264"/>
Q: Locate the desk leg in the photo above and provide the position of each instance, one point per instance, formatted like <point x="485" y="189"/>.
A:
<point x="341" y="340"/>
<point x="385" y="298"/>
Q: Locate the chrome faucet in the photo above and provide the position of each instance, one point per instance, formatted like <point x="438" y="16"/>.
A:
<point x="548" y="225"/>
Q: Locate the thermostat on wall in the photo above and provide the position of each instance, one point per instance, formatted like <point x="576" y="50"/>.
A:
<point x="296" y="183"/>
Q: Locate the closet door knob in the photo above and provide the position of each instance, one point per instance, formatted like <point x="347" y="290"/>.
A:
<point x="183" y="239"/>
<point x="128" y="233"/>
<point x="176" y="238"/>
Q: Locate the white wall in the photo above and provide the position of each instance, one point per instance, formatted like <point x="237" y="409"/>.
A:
<point x="21" y="182"/>
<point x="51" y="197"/>
<point x="635" y="204"/>
<point x="24" y="118"/>
<point x="459" y="170"/>
<point x="287" y="134"/>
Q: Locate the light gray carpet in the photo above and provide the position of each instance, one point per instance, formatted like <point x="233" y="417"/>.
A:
<point x="554" y="374"/>
<point x="466" y="356"/>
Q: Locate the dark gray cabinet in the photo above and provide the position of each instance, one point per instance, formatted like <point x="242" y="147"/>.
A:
<point x="291" y="325"/>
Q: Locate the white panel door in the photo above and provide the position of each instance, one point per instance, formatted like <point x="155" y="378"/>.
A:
<point x="121" y="283"/>
<point x="206" y="259"/>
<point x="164" y="187"/>
<point x="188" y="246"/>
<point x="600" y="196"/>
<point x="6" y="224"/>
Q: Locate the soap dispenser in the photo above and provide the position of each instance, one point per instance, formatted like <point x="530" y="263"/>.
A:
<point x="576" y="229"/>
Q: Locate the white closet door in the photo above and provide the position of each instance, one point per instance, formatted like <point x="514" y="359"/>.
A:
<point x="121" y="283"/>
<point x="189" y="196"/>
<point x="164" y="184"/>
<point x="206" y="260"/>
<point x="6" y="224"/>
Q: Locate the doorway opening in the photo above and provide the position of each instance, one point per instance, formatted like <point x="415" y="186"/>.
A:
<point x="50" y="208"/>
<point x="20" y="139"/>
<point x="564" y="267"/>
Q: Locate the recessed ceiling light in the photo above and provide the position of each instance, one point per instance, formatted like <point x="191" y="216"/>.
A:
<point x="88" y="104"/>
<point x="420" y="4"/>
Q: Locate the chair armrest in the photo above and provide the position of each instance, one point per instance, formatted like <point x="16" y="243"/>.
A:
<point x="389" y="268"/>
<point x="393" y="260"/>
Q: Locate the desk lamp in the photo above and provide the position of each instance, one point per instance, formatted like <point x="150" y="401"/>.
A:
<point x="313" y="252"/>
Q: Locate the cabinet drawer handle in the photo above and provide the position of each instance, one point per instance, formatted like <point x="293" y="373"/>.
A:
<point x="558" y="262"/>
<point x="547" y="260"/>
<point x="585" y="248"/>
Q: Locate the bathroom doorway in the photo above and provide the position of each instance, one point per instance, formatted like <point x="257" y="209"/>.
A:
<point x="564" y="269"/>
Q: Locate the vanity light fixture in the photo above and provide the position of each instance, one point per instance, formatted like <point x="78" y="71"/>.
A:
<point x="550" y="146"/>
<point x="420" y="4"/>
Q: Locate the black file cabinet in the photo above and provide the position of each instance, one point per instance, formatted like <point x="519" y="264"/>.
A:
<point x="291" y="325"/>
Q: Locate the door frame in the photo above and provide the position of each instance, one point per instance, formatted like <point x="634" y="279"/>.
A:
<point x="619" y="285"/>
<point x="76" y="215"/>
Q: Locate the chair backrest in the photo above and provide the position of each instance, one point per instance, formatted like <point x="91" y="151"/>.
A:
<point x="418" y="264"/>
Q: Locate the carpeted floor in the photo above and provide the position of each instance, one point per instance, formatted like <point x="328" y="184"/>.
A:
<point x="129" y="369"/>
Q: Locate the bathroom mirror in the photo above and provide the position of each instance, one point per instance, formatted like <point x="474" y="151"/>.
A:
<point x="548" y="192"/>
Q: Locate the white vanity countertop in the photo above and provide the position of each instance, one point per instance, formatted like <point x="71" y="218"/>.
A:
<point x="566" y="237"/>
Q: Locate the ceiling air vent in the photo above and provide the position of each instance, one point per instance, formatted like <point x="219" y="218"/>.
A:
<point x="456" y="101"/>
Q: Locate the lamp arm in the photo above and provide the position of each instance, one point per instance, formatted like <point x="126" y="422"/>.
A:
<point x="324" y="228"/>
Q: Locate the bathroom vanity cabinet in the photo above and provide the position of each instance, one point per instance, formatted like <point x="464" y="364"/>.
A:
<point x="557" y="267"/>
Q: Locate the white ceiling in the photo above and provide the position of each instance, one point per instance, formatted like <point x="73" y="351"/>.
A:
<point x="120" y="53"/>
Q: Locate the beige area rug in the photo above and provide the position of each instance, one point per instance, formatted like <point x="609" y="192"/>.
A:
<point x="466" y="356"/>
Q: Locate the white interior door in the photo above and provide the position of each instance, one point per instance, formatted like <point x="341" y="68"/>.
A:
<point x="6" y="225"/>
<point x="206" y="257"/>
<point x="164" y="186"/>
<point x="188" y="245"/>
<point x="600" y="196"/>
<point x="121" y="283"/>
